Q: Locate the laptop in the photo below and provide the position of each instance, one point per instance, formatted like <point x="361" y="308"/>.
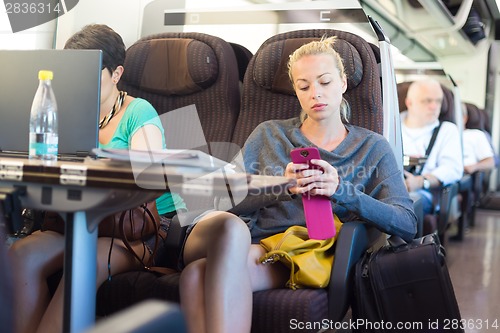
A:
<point x="77" y="88"/>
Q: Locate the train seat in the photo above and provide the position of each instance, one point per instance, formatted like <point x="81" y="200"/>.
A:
<point x="192" y="81"/>
<point x="243" y="56"/>
<point x="268" y="94"/>
<point x="477" y="119"/>
<point x="179" y="73"/>
<point x="181" y="70"/>
<point x="486" y="120"/>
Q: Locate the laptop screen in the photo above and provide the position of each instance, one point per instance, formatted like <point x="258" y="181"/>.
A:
<point x="76" y="84"/>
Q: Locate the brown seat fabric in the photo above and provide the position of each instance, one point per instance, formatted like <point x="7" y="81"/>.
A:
<point x="475" y="119"/>
<point x="448" y="106"/>
<point x="130" y="288"/>
<point x="243" y="56"/>
<point x="486" y="120"/>
<point x="273" y="309"/>
<point x="175" y="70"/>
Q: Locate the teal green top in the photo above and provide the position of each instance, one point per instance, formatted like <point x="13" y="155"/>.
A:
<point x="140" y="113"/>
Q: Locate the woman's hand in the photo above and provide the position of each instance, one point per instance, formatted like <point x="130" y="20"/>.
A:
<point x="321" y="181"/>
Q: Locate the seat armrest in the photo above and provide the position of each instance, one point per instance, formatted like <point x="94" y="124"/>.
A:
<point x="418" y="208"/>
<point x="447" y="193"/>
<point x="353" y="240"/>
<point x="465" y="183"/>
<point x="146" y="317"/>
<point x="486" y="176"/>
<point x="478" y="178"/>
<point x="466" y="189"/>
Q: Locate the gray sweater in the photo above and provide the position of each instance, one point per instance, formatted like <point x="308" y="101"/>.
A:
<point x="371" y="187"/>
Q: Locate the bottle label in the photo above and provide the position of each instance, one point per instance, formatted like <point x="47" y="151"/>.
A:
<point x="43" y="145"/>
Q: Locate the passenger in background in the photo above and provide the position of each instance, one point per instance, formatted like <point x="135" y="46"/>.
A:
<point x="478" y="153"/>
<point x="360" y="177"/>
<point x="444" y="163"/>
<point x="132" y="123"/>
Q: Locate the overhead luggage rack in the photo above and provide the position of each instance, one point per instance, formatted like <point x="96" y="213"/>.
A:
<point x="443" y="27"/>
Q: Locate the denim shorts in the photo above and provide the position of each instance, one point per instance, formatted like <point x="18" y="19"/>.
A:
<point x="181" y="264"/>
<point x="165" y="221"/>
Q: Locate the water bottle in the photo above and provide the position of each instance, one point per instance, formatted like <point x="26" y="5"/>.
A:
<point x="43" y="137"/>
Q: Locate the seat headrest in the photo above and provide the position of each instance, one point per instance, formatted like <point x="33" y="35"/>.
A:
<point x="474" y="119"/>
<point x="171" y="66"/>
<point x="448" y="105"/>
<point x="402" y="89"/>
<point x="271" y="72"/>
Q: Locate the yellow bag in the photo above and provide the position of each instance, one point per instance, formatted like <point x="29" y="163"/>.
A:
<point x="309" y="260"/>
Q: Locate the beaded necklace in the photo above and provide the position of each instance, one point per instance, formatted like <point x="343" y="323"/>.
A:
<point x="114" y="110"/>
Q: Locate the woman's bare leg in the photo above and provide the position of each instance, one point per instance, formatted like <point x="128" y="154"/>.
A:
<point x="121" y="261"/>
<point x="215" y="284"/>
<point x="35" y="258"/>
<point x="265" y="277"/>
<point x="222" y="272"/>
<point x="192" y="293"/>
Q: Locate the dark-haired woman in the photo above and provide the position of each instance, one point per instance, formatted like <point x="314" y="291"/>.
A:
<point x="126" y="123"/>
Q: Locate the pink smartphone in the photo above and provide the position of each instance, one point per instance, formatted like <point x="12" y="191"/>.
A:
<point x="317" y="208"/>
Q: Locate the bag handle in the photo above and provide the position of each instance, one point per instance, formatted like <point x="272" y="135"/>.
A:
<point x="429" y="148"/>
<point x="126" y="242"/>
<point x="396" y="243"/>
<point x="274" y="256"/>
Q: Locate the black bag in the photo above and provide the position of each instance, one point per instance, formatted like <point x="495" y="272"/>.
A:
<point x="473" y="27"/>
<point x="405" y="287"/>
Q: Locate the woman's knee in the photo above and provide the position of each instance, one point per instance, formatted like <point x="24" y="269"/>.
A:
<point x="38" y="254"/>
<point x="229" y="227"/>
<point x="218" y="234"/>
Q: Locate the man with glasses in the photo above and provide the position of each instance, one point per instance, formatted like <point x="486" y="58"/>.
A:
<point x="442" y="161"/>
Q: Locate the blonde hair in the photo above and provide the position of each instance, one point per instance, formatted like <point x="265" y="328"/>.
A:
<point x="323" y="46"/>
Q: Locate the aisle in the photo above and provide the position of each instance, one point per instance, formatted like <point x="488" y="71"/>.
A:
<point x="474" y="266"/>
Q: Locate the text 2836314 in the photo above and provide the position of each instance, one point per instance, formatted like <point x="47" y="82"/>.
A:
<point x="471" y="324"/>
<point x="33" y="8"/>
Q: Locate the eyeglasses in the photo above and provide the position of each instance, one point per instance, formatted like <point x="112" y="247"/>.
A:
<point x="427" y="101"/>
